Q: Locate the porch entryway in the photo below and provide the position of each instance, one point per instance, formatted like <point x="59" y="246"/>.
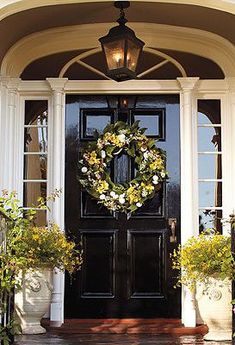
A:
<point x="126" y="271"/>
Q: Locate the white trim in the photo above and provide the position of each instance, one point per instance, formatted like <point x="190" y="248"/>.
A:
<point x="188" y="185"/>
<point x="206" y="89"/>
<point x="85" y="36"/>
<point x="57" y="175"/>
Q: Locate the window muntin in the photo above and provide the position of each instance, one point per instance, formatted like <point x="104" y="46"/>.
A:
<point x="209" y="164"/>
<point x="35" y="155"/>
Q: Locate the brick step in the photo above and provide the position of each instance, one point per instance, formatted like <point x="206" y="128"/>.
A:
<point x="125" y="326"/>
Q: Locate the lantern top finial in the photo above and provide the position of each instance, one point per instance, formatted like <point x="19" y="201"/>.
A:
<point x="121" y="5"/>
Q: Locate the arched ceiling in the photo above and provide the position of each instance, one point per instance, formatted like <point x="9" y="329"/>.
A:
<point x="20" y="24"/>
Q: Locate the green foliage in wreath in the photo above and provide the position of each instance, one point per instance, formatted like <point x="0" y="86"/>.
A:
<point x="95" y="163"/>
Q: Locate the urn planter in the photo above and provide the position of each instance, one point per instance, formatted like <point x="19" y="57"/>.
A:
<point x="33" y="300"/>
<point x="215" y="309"/>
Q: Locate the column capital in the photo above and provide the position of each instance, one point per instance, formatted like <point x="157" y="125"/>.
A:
<point x="10" y="83"/>
<point x="57" y="84"/>
<point x="188" y="84"/>
<point x="230" y="81"/>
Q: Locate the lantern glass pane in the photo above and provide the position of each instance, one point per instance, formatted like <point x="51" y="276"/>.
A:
<point x="114" y="52"/>
<point x="133" y="53"/>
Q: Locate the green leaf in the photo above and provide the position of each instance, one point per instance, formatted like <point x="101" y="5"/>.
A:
<point x="135" y="125"/>
<point x="108" y="128"/>
<point x="6" y="341"/>
<point x="151" y="143"/>
<point x="109" y="150"/>
<point x="131" y="151"/>
<point x="120" y="125"/>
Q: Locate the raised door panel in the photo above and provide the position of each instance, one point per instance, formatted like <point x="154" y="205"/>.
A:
<point x="146" y="251"/>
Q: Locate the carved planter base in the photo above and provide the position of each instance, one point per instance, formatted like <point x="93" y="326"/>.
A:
<point x="33" y="301"/>
<point x="215" y="309"/>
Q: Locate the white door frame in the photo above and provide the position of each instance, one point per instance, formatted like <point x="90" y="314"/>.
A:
<point x="15" y="91"/>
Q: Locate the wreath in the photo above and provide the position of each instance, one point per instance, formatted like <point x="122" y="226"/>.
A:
<point x="94" y="167"/>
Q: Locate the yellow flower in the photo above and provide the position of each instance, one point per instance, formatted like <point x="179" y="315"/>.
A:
<point x="149" y="187"/>
<point x="157" y="164"/>
<point x="133" y="195"/>
<point x="130" y="190"/>
<point x="102" y="186"/>
<point x="113" y="138"/>
<point x="92" y="159"/>
<point x="35" y="237"/>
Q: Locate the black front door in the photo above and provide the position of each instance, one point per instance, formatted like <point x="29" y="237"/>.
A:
<point x="126" y="270"/>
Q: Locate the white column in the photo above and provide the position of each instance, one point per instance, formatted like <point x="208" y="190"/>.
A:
<point x="56" y="124"/>
<point x="189" y="198"/>
<point x="228" y="148"/>
<point x="9" y="133"/>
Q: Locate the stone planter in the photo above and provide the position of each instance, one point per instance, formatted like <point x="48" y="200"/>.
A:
<point x="33" y="300"/>
<point x="215" y="309"/>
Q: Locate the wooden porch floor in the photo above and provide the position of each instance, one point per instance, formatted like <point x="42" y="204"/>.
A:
<point x="112" y="339"/>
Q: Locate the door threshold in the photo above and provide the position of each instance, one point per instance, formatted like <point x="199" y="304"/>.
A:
<point x="125" y="326"/>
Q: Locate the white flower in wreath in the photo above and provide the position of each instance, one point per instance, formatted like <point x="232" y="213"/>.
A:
<point x="102" y="197"/>
<point x="144" y="193"/>
<point x="122" y="138"/>
<point x="122" y="199"/>
<point x="103" y="154"/>
<point x="100" y="143"/>
<point x="155" y="179"/>
<point x="146" y="155"/>
<point x="163" y="174"/>
<point x="114" y="195"/>
<point x="138" y="204"/>
<point x="84" y="170"/>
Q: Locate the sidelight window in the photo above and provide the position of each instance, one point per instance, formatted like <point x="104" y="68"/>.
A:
<point x="209" y="164"/>
<point x="35" y="155"/>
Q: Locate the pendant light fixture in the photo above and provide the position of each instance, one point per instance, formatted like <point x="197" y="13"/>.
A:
<point x="121" y="48"/>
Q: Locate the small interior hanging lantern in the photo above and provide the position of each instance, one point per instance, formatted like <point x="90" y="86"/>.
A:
<point x="121" y="48"/>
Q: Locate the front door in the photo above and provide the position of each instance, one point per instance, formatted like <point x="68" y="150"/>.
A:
<point x="126" y="271"/>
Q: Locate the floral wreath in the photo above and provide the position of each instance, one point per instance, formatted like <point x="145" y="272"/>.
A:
<point x="96" y="157"/>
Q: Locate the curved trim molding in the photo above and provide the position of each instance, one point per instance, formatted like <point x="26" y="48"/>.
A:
<point x="157" y="36"/>
<point x="9" y="7"/>
<point x="79" y="58"/>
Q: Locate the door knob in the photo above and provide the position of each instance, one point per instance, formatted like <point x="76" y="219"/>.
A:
<point x="172" y="223"/>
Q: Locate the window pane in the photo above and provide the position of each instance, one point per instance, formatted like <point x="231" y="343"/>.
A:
<point x="41" y="218"/>
<point x="32" y="191"/>
<point x="210" y="219"/>
<point x="209" y="166"/>
<point x="149" y="122"/>
<point x="35" y="139"/>
<point x="210" y="194"/>
<point x="36" y="112"/>
<point x="35" y="167"/>
<point x="209" y="111"/>
<point x="96" y="123"/>
<point x="209" y="139"/>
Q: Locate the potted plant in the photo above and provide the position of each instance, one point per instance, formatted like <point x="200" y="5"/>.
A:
<point x="31" y="254"/>
<point x="205" y="265"/>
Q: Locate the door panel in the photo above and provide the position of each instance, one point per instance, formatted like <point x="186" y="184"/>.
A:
<point x="126" y="270"/>
<point x="146" y="266"/>
<point x="99" y="251"/>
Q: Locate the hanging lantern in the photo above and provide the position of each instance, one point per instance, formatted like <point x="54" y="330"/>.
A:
<point x="121" y="48"/>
